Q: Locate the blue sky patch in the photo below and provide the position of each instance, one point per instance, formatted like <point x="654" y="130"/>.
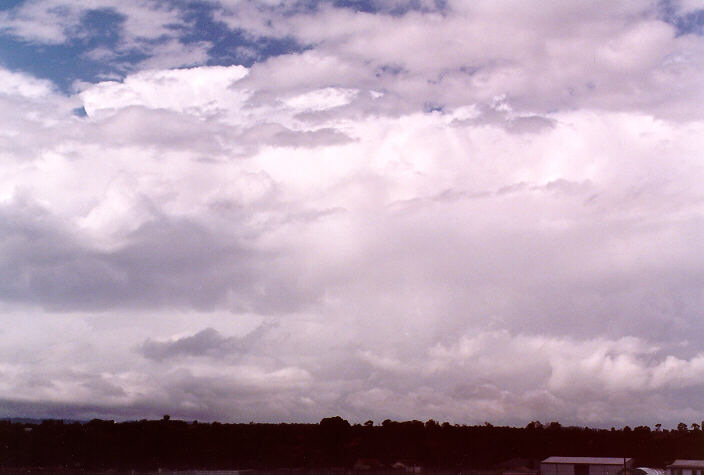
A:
<point x="688" y="23"/>
<point x="94" y="51"/>
<point x="231" y="46"/>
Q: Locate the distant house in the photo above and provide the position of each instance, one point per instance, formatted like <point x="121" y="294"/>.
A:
<point x="685" y="467"/>
<point x="586" y="466"/>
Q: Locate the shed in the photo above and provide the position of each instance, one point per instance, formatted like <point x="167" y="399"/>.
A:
<point x="586" y="465"/>
<point x="649" y="471"/>
<point x="685" y="467"/>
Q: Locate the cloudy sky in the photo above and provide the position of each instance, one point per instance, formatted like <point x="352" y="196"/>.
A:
<point x="278" y="210"/>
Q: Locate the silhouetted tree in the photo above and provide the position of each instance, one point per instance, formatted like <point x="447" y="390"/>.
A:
<point x="100" y="445"/>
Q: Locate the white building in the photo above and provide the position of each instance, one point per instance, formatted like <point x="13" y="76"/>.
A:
<point x="587" y="466"/>
<point x="685" y="467"/>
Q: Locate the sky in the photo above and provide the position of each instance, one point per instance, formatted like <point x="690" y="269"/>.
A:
<point x="279" y="211"/>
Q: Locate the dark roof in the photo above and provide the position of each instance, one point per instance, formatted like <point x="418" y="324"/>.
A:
<point x="651" y="471"/>
<point x="687" y="464"/>
<point x="588" y="460"/>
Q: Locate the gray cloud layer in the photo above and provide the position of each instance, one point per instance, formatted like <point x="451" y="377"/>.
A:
<point x="475" y="212"/>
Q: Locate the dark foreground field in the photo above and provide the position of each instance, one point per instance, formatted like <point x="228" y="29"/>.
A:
<point x="396" y="447"/>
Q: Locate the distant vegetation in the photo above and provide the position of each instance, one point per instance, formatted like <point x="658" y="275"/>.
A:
<point x="167" y="443"/>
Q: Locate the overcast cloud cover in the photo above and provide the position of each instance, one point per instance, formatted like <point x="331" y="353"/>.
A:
<point x="285" y="210"/>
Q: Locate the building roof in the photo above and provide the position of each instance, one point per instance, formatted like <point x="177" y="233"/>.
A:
<point x="687" y="464"/>
<point x="651" y="471"/>
<point x="588" y="460"/>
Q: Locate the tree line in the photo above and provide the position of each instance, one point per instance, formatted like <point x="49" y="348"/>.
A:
<point x="334" y="442"/>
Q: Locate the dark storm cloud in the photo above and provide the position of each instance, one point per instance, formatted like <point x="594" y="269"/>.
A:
<point x="206" y="343"/>
<point x="166" y="262"/>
